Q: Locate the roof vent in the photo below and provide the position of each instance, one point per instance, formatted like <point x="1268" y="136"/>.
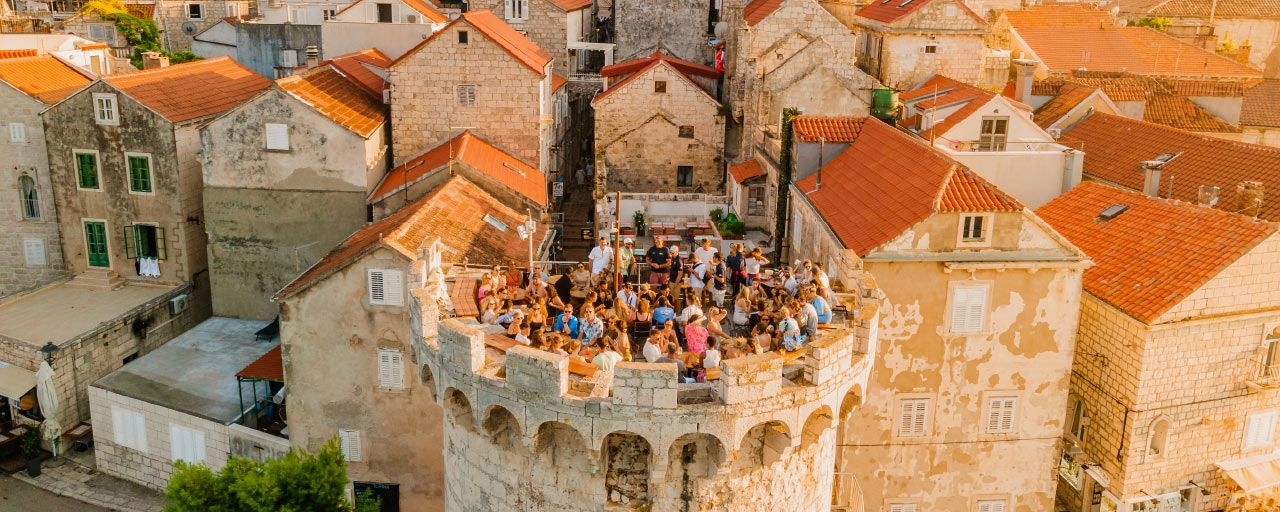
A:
<point x="1164" y="158"/>
<point x="1112" y="211"/>
<point x="493" y="221"/>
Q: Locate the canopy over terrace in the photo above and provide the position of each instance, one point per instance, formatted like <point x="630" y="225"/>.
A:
<point x="268" y="368"/>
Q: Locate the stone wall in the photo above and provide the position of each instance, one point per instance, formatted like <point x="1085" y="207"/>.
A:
<point x="153" y="466"/>
<point x="902" y="62"/>
<point x="546" y="26"/>
<point x="30" y="159"/>
<point x="171" y="15"/>
<point x="677" y="26"/>
<point x="253" y="444"/>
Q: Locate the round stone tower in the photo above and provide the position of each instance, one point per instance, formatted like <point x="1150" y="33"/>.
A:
<point x="528" y="430"/>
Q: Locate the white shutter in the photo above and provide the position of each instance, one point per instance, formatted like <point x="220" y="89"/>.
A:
<point x="186" y="444"/>
<point x="1261" y="430"/>
<point x="390" y="368"/>
<point x="506" y="9"/>
<point x="913" y="417"/>
<point x="377" y="287"/>
<point x="129" y="428"/>
<point x="386" y="287"/>
<point x="33" y="251"/>
<point x="277" y="136"/>
<point x="902" y="507"/>
<point x="1000" y="415"/>
<point x="969" y="308"/>
<point x="350" y="440"/>
<point x="990" y="505"/>
<point x="17" y="133"/>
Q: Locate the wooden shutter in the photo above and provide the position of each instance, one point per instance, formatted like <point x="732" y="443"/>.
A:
<point x="277" y="136"/>
<point x="990" y="505"/>
<point x="969" y="308"/>
<point x="1261" y="430"/>
<point x="506" y="9"/>
<point x="902" y="507"/>
<point x="913" y="417"/>
<point x="387" y="288"/>
<point x="130" y="241"/>
<point x="162" y="244"/>
<point x="377" y="287"/>
<point x="350" y="440"/>
<point x="390" y="368"/>
<point x="1000" y="414"/>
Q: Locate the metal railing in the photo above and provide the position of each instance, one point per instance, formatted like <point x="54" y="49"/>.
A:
<point x="1264" y="374"/>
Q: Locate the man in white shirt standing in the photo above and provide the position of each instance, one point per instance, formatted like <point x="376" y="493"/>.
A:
<point x="601" y="257"/>
<point x="705" y="251"/>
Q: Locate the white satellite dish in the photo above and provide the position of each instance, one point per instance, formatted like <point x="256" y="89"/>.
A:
<point x="721" y="29"/>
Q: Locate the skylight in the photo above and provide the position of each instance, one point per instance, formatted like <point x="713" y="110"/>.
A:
<point x="493" y="221"/>
<point x="1113" y="211"/>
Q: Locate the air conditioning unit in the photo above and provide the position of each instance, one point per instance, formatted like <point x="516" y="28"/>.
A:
<point x="179" y="304"/>
<point x="411" y="18"/>
<point x="1056" y="133"/>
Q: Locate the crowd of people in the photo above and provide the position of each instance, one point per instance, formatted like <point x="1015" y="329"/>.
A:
<point x="691" y="308"/>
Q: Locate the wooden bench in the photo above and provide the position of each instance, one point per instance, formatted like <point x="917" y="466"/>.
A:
<point x="787" y="358"/>
<point x="503" y="343"/>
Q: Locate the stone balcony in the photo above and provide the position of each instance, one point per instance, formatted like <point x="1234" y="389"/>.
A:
<point x="1263" y="376"/>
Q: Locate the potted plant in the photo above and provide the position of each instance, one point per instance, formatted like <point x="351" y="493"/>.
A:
<point x="639" y="221"/>
<point x="31" y="450"/>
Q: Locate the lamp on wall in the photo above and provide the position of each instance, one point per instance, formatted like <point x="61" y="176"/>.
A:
<point x="48" y="350"/>
<point x="1203" y="491"/>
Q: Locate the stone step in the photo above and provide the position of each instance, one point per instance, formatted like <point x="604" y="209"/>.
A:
<point x="98" y="279"/>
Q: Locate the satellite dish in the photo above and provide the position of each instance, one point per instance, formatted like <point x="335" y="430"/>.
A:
<point x="188" y="28"/>
<point x="1115" y="11"/>
<point x="721" y="29"/>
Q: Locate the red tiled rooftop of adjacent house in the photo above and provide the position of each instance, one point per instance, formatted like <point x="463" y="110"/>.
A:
<point x="1180" y="112"/>
<point x="1256" y="9"/>
<point x="143" y="11"/>
<point x="632" y="69"/>
<point x="1165" y="100"/>
<point x="890" y="11"/>
<point x="1117" y="146"/>
<point x="758" y="10"/>
<point x="268" y="367"/>
<point x="191" y="90"/>
<point x="744" y="171"/>
<point x="467" y="148"/>
<point x="840" y="129"/>
<point x="941" y="91"/>
<point x="13" y="54"/>
<point x="557" y="82"/>
<point x="1069" y="97"/>
<point x="887" y="181"/>
<point x="1059" y="16"/>
<point x="356" y="66"/>
<point x="424" y="8"/>
<point x="1261" y="105"/>
<point x="1138" y="50"/>
<point x="572" y="5"/>
<point x="45" y="78"/>
<point x="1157" y="252"/>
<point x="513" y="42"/>
<point x="338" y="98"/>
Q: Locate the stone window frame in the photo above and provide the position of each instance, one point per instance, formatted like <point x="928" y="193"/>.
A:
<point x="986" y="225"/>
<point x="194" y="14"/>
<point x="685" y="131"/>
<point x="680" y="171"/>
<point x="464" y="37"/>
<point x="1154" y="450"/>
<point x="515" y="10"/>
<point x="106" y="109"/>
<point x="29" y="197"/>
<point x="391" y="374"/>
<point x="660" y="86"/>
<point x="901" y="505"/>
<point x="97" y="169"/>
<point x="129" y="156"/>
<point x="18" y="133"/>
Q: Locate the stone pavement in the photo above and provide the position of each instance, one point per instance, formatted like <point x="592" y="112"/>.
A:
<point x="73" y="475"/>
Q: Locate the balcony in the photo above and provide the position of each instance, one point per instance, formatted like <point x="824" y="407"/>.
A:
<point x="1263" y="375"/>
<point x="973" y="146"/>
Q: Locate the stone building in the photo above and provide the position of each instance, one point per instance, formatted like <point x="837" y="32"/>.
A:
<point x="1253" y="25"/>
<point x="123" y="158"/>
<point x="550" y="24"/>
<point x="1174" y="390"/>
<point x="475" y="73"/>
<point x="30" y="246"/>
<point x="180" y="20"/>
<point x="311" y="146"/>
<point x="348" y="356"/>
<point x="963" y="407"/>
<point x="273" y="50"/>
<point x="658" y="126"/>
<point x="904" y="43"/>
<point x="393" y="26"/>
<point x="677" y="27"/>
<point x="94" y="27"/>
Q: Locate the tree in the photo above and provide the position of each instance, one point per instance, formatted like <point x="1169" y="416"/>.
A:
<point x="298" y="482"/>
<point x="142" y="34"/>
<point x="1158" y="23"/>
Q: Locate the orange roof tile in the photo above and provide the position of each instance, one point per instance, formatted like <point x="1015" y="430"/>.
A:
<point x="1059" y="16"/>
<point x="11" y="54"/>
<point x="454" y="212"/>
<point x="1138" y="50"/>
<point x="268" y="367"/>
<point x="1180" y="112"/>
<point x="1254" y="9"/>
<point x="1154" y="254"/>
<point x="359" y="66"/>
<point x="572" y="5"/>
<point x="827" y="129"/>
<point x="191" y="90"/>
<point x="941" y="91"/>
<point x="338" y="98"/>
<point x="1068" y="98"/>
<point x="887" y="181"/>
<point x="1260" y="104"/>
<point x="1116" y="147"/>
<point x="758" y="10"/>
<point x="557" y="82"/>
<point x="469" y="149"/>
<point x="497" y="30"/>
<point x="634" y="68"/>
<point x="45" y="78"/>
<point x="423" y="8"/>
<point x="744" y="171"/>
<point x="1166" y="100"/>
<point x="891" y="11"/>
<point x="144" y="11"/>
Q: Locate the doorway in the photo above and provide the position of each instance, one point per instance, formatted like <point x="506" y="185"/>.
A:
<point x="95" y="236"/>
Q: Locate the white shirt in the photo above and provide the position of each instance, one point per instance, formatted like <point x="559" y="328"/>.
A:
<point x="600" y="258"/>
<point x="791" y="285"/>
<point x="699" y="276"/>
<point x="688" y="312"/>
<point x="524" y="340"/>
<point x="705" y="253"/>
<point x="607" y="359"/>
<point x="752" y="265"/>
<point x="627" y="298"/>
<point x="651" y="352"/>
<point x="711" y="358"/>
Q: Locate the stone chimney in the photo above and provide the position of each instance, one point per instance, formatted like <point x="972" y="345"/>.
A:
<point x="153" y="60"/>
<point x="1151" y="177"/>
<point x="1249" y="195"/>
<point x="1026" y="69"/>
<point x="1242" y="53"/>
<point x="1208" y="195"/>
<point x="313" y="56"/>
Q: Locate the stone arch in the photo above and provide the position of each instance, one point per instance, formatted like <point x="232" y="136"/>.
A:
<point x="458" y="408"/>
<point x="502" y="427"/>
<point x="564" y="460"/>
<point x="851" y="399"/>
<point x="845" y="489"/>
<point x="697" y="454"/>
<point x="764" y="444"/>
<point x="428" y="380"/>
<point x="627" y="459"/>
<point x="1158" y="437"/>
<point x="820" y="420"/>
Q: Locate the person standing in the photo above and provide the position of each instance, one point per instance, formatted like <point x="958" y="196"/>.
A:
<point x="734" y="264"/>
<point x="627" y="259"/>
<point x="601" y="257"/>
<point x="659" y="260"/>
<point x="705" y="251"/>
<point x="719" y="280"/>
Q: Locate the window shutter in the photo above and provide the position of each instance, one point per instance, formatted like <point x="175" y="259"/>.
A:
<point x="902" y="507"/>
<point x="968" y="308"/>
<point x="393" y="287"/>
<point x="350" y="440"/>
<point x="377" y="287"/>
<point x="162" y="245"/>
<point x="390" y="369"/>
<point x="913" y="417"/>
<point x="130" y="242"/>
<point x="506" y="9"/>
<point x="1261" y="430"/>
<point x="33" y="251"/>
<point x="17" y="132"/>
<point x="186" y="444"/>
<point x="991" y="506"/>
<point x="1000" y="414"/>
<point x="277" y="136"/>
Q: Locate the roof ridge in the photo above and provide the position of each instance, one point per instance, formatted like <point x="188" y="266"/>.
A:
<point x="1201" y="137"/>
<point x="169" y="68"/>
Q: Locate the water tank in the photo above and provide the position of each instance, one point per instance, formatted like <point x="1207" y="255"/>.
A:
<point x="882" y="103"/>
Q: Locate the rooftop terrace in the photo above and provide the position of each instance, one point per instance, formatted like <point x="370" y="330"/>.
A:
<point x="78" y="310"/>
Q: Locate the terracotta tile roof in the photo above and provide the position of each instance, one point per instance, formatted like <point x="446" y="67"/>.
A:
<point x="191" y="90"/>
<point x="941" y="91"/>
<point x="144" y="11"/>
<point x="45" y="78"/>
<point x="829" y="129"/>
<point x="1116" y="147"/>
<point x="758" y="10"/>
<point x="557" y="82"/>
<point x="572" y="5"/>
<point x="1255" y="9"/>
<point x="338" y="98"/>
<point x="887" y="181"/>
<point x="634" y="68"/>
<point x="891" y="11"/>
<point x="462" y="296"/>
<point x="268" y="367"/>
<point x="1260" y="104"/>
<point x="427" y="10"/>
<point x="1069" y="97"/>
<point x="1059" y="16"/>
<point x="1180" y="112"/>
<point x="1155" y="254"/>
<point x="469" y="149"/>
<point x="12" y="54"/>
<point x="497" y="30"/>
<point x="1138" y="50"/>
<point x="1209" y="88"/>
<point x="1164" y="104"/>
<point x="454" y="212"/>
<point x="359" y="66"/>
<point x="744" y="171"/>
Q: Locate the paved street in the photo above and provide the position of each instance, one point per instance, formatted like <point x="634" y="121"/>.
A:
<point x="18" y="496"/>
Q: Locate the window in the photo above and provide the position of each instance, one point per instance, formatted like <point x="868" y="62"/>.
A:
<point x="1071" y="470"/>
<point x="995" y="132"/>
<point x="102" y="33"/>
<point x="686" y="132"/>
<point x="463" y="37"/>
<point x="17" y="133"/>
<point x="390" y="368"/>
<point x="195" y="11"/>
<point x="1076" y="423"/>
<point x="1159" y="438"/>
<point x="969" y="308"/>
<point x="33" y="252"/>
<point x="903" y="507"/>
<point x="386" y="287"/>
<point x="466" y="95"/>
<point x="87" y="169"/>
<point x="233" y="10"/>
<point x="659" y="86"/>
<point x="951" y="11"/>
<point x="1001" y="412"/>
<point x="516" y="10"/>
<point x="139" y="172"/>
<point x="145" y="241"/>
<point x="129" y="428"/>
<point x="1271" y="352"/>
<point x="975" y="229"/>
<point x="931" y="48"/>
<point x="277" y="137"/>
<point x="30" y="197"/>
<point x="104" y="109"/>
<point x="913" y="417"/>
<point x="186" y="444"/>
<point x="1260" y="430"/>
<point x="755" y="200"/>
<point x="350" y="441"/>
<point x="684" y="176"/>
<point x="991" y="505"/>
<point x="384" y="13"/>
<point x="328" y="14"/>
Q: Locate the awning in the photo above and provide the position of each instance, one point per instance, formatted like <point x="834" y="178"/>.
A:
<point x="1253" y="474"/>
<point x="15" y="381"/>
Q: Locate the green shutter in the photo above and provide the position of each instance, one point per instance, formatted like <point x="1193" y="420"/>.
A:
<point x="130" y="242"/>
<point x="140" y="174"/>
<point x="162" y="247"/>
<point x="87" y="165"/>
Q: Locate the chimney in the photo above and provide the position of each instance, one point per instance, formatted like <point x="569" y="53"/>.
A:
<point x="313" y="56"/>
<point x="1209" y="195"/>
<point x="153" y="60"/>
<point x="1022" y="83"/>
<point x="1249" y="196"/>
<point x="1242" y="53"/>
<point x="1151" y="177"/>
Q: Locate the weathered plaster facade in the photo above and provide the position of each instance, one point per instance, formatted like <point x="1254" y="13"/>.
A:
<point x="178" y="27"/>
<point x="679" y="27"/>
<point x="940" y="38"/>
<point x="30" y="247"/>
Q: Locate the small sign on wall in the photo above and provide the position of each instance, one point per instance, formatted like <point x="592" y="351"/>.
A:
<point x="33" y="251"/>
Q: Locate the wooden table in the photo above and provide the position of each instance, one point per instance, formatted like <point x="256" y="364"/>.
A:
<point x="787" y="358"/>
<point x="502" y="343"/>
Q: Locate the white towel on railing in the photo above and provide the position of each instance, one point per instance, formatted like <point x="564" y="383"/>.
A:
<point x="149" y="267"/>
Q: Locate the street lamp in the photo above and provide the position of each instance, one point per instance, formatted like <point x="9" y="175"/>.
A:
<point x="526" y="231"/>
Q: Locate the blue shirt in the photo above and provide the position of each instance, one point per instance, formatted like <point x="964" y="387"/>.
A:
<point x="573" y="325"/>
<point x="662" y="314"/>
<point x="592" y="329"/>
<point x="824" y="309"/>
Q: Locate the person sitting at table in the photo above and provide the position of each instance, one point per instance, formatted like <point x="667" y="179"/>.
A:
<point x="566" y="324"/>
<point x="820" y="305"/>
<point x="627" y="295"/>
<point x="651" y="351"/>
<point x="555" y="305"/>
<point x="617" y="332"/>
<point x="752" y="264"/>
<point x="742" y="308"/>
<point x="537" y="339"/>
<point x="663" y="312"/>
<point x="514" y="277"/>
<point x="581" y="279"/>
<point x="693" y="362"/>
<point x="807" y="316"/>
<point x="537" y="316"/>
<point x="762" y="333"/>
<point x="789" y="334"/>
<point x="497" y="282"/>
<point x="537" y="289"/>
<point x="646" y="292"/>
<point x="643" y="312"/>
<point x="507" y="314"/>
<point x="665" y="333"/>
<point x="486" y="287"/>
<point x="522" y="332"/>
<point x="823" y="281"/>
<point x="694" y="308"/>
<point x="695" y="334"/>
<point x="607" y="358"/>
<point x="590" y="327"/>
<point x="790" y="283"/>
<point x="734" y="348"/>
<point x="672" y="355"/>
<point x="711" y="358"/>
<point x="557" y="346"/>
<point x="489" y="311"/>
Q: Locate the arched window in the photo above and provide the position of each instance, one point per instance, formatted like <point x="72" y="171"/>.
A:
<point x="1159" y="441"/>
<point x="30" y="197"/>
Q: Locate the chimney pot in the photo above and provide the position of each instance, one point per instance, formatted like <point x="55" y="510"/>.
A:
<point x="1025" y="73"/>
<point x="1151" y="177"/>
<point x="1249" y="195"/>
<point x="1209" y="195"/>
<point x="313" y="56"/>
<point x="153" y="60"/>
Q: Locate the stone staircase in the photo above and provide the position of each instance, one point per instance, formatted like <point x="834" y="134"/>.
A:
<point x="98" y="279"/>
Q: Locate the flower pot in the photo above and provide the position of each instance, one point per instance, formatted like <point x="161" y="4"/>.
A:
<point x="33" y="467"/>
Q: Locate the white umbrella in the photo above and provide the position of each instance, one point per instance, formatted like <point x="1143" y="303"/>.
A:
<point x="48" y="397"/>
